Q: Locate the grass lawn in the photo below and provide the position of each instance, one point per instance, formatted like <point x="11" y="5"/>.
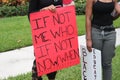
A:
<point x="74" y="73"/>
<point x="15" y="32"/>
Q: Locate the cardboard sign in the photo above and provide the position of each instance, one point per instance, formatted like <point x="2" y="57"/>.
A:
<point x="90" y="64"/>
<point x="55" y="39"/>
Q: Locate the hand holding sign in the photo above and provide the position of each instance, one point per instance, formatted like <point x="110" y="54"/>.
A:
<point x="52" y="8"/>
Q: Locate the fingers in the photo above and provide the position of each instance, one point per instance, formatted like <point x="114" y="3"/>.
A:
<point x="52" y="8"/>
<point x="89" y="49"/>
<point x="89" y="45"/>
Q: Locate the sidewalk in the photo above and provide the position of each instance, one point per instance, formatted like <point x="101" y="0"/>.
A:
<point x="20" y="61"/>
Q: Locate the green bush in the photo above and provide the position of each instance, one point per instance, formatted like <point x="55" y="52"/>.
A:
<point x="80" y="6"/>
<point x="7" y="11"/>
<point x="21" y="10"/>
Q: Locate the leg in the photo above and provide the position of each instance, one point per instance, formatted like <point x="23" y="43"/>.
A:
<point x="51" y="76"/>
<point x="107" y="54"/>
<point x="34" y="72"/>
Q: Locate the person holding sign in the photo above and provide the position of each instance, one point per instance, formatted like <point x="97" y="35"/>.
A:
<point x="40" y="5"/>
<point x="100" y="32"/>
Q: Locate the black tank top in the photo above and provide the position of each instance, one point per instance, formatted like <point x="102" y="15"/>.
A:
<point x="44" y="3"/>
<point x="102" y="13"/>
<point x="36" y="5"/>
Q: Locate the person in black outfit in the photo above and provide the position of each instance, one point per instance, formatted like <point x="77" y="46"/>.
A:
<point x="34" y="6"/>
<point x="38" y="5"/>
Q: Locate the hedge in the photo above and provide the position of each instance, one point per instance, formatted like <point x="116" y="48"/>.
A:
<point x="21" y="10"/>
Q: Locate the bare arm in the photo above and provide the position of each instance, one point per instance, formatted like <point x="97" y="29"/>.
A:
<point x="117" y="7"/>
<point x="116" y="13"/>
<point x="88" y="16"/>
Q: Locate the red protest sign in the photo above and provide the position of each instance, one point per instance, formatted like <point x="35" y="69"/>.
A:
<point x="67" y="1"/>
<point x="55" y="39"/>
